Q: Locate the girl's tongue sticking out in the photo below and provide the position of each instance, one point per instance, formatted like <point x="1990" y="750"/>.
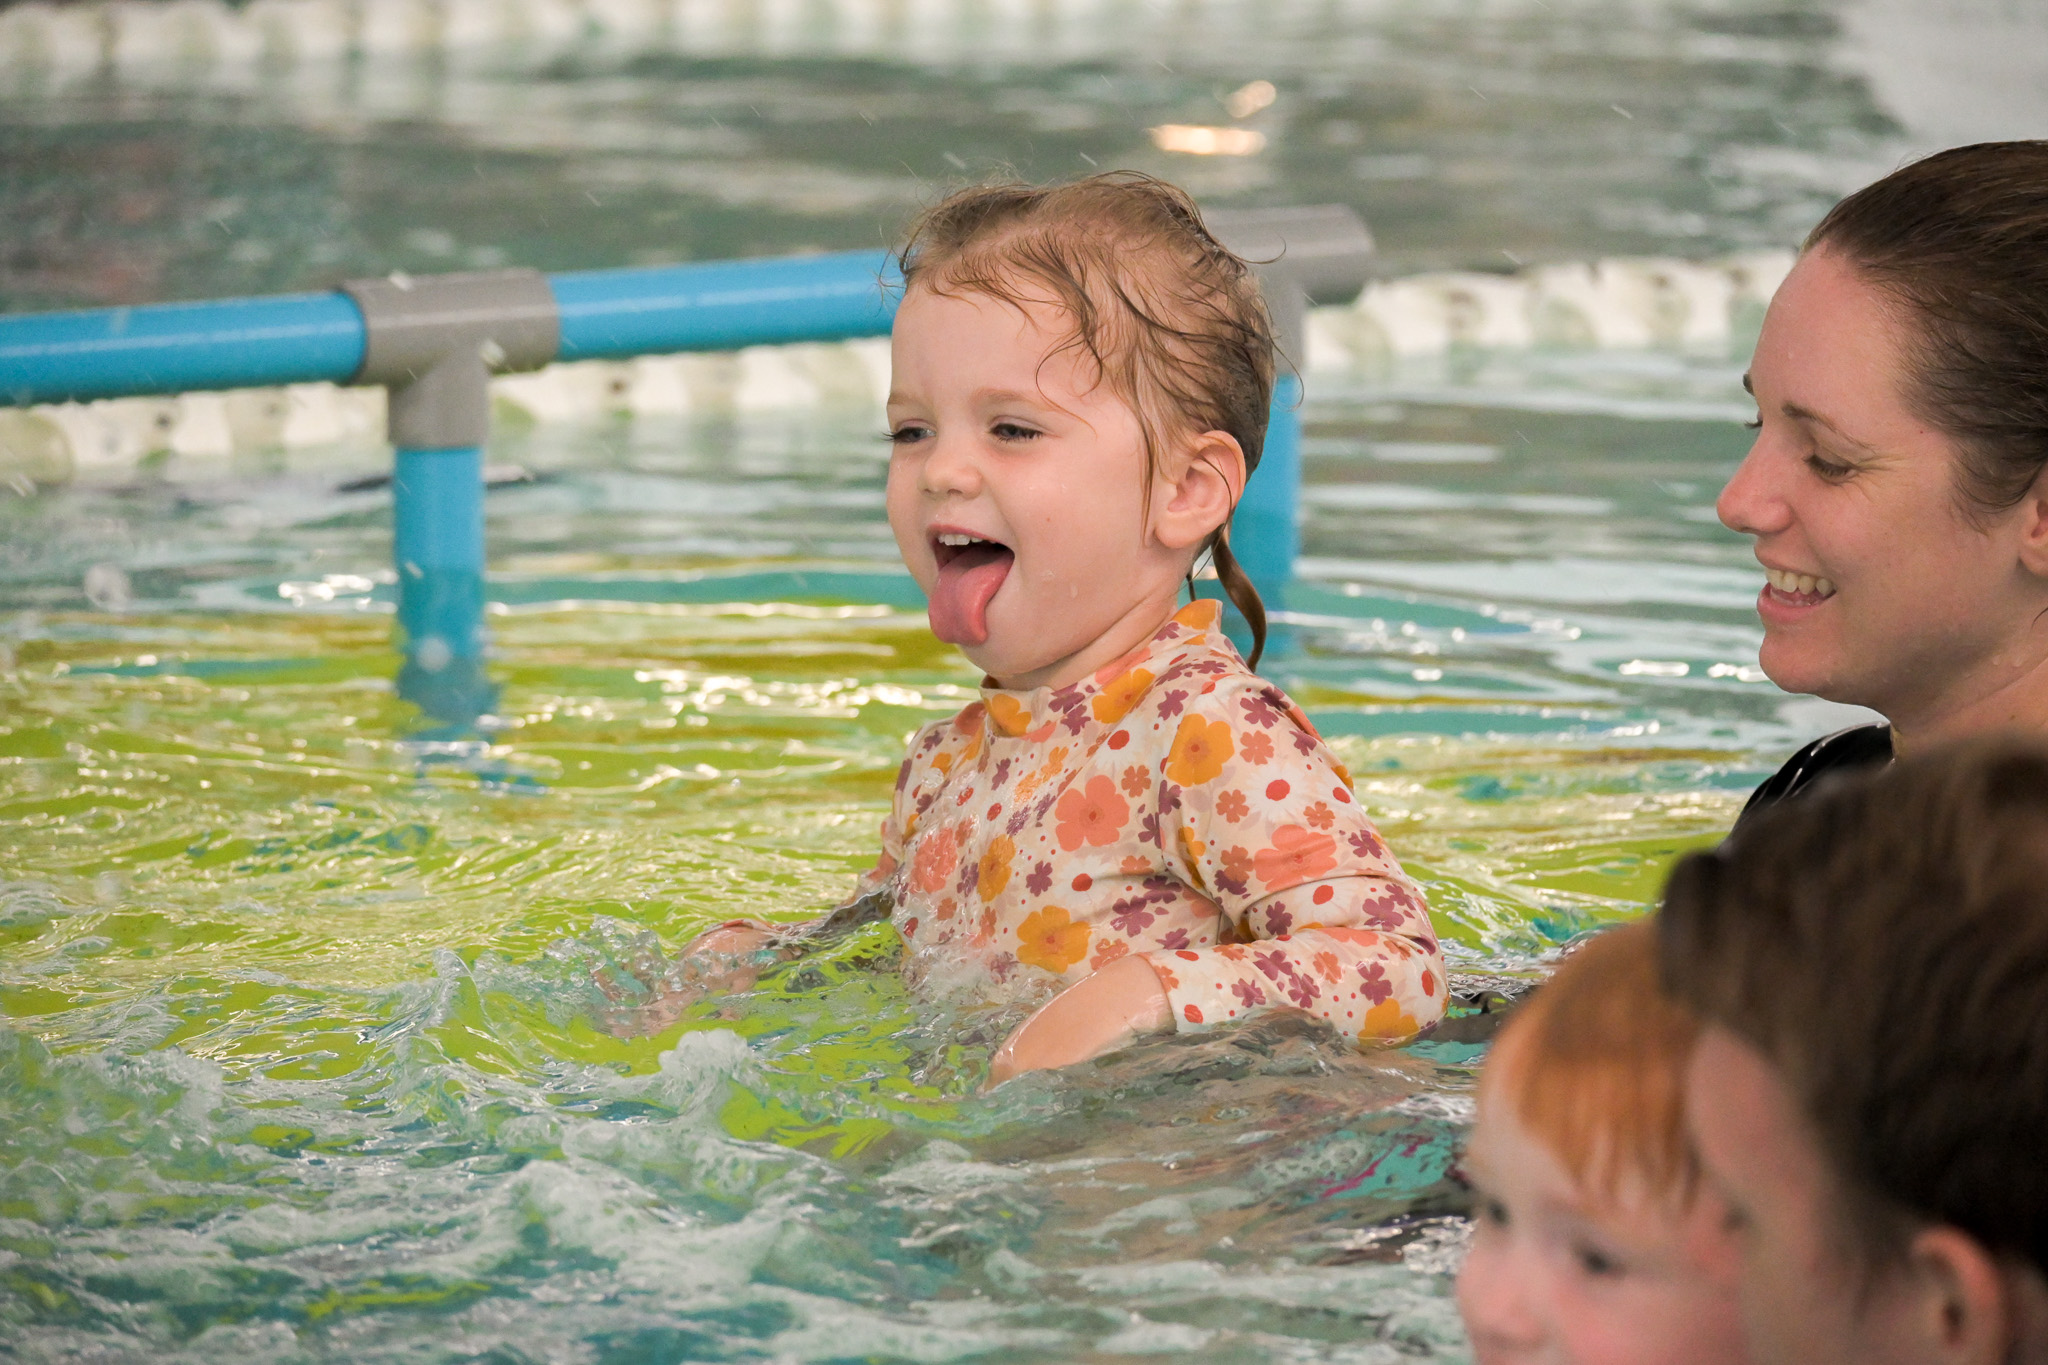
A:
<point x="970" y="571"/>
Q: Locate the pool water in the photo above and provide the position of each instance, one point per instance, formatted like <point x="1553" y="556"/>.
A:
<point x="306" y="1052"/>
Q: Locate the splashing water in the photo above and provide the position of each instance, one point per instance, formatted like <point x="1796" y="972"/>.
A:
<point x="304" y="1052"/>
<point x="307" y="1053"/>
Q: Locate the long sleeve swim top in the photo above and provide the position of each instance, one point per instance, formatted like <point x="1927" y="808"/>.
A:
<point x="1174" y="805"/>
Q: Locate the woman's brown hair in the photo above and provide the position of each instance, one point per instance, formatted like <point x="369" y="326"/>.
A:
<point x="1960" y="240"/>
<point x="1172" y="320"/>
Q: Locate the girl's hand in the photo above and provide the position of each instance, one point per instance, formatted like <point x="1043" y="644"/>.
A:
<point x="717" y="962"/>
<point x="1101" y="1013"/>
<point x="735" y="938"/>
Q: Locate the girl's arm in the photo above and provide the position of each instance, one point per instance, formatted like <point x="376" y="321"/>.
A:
<point x="1262" y="820"/>
<point x="1383" y="983"/>
<point x="731" y="956"/>
<point x="1111" y="1009"/>
<point x="1328" y="922"/>
<point x="1356" y="950"/>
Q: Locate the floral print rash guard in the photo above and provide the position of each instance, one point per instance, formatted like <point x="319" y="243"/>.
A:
<point x="1175" y="806"/>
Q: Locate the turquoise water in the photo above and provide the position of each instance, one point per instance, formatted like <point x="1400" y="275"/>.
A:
<point x="306" y="1055"/>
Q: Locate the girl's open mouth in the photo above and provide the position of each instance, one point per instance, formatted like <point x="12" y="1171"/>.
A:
<point x="971" y="569"/>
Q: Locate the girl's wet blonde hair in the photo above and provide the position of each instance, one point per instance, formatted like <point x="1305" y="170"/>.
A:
<point x="1170" y="318"/>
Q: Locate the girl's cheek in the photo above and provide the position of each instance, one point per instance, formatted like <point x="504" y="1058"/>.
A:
<point x="1710" y="1247"/>
<point x="1494" y="1298"/>
<point x="900" y="496"/>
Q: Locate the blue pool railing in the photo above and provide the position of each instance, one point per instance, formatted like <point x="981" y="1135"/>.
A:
<point x="308" y="338"/>
<point x="433" y="341"/>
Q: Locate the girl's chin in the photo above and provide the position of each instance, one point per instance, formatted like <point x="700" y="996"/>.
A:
<point x="1002" y="660"/>
<point x="1014" y="663"/>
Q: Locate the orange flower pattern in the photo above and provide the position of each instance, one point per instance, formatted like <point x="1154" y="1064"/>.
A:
<point x="1178" y="807"/>
<point x="1200" y="749"/>
<point x="1049" y="938"/>
<point x="1094" y="815"/>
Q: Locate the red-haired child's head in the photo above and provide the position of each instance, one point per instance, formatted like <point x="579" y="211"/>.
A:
<point x="1593" y="1244"/>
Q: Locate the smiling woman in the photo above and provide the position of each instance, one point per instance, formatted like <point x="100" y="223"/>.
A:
<point x="1896" y="490"/>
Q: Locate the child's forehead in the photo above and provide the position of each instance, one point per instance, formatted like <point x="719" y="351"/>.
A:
<point x="1035" y="316"/>
<point x="1029" y="347"/>
<point x="1514" y="1164"/>
<point x="1606" y="1164"/>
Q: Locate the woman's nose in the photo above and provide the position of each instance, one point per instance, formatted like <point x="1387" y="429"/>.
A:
<point x="1753" y="503"/>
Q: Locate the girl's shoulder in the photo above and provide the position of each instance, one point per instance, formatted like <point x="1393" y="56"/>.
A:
<point x="1220" y="688"/>
<point x="963" y="729"/>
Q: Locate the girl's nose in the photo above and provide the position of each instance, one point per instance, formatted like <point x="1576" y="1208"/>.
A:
<point x="1494" y="1299"/>
<point x="1753" y="503"/>
<point x="950" y="468"/>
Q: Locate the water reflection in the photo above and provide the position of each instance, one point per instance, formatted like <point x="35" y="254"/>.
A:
<point x="1543" y="131"/>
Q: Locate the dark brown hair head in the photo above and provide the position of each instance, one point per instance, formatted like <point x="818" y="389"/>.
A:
<point x="1171" y="320"/>
<point x="1883" y="941"/>
<point x="1960" y="241"/>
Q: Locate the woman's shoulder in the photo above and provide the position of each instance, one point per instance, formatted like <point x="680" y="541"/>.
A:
<point x="1859" y="746"/>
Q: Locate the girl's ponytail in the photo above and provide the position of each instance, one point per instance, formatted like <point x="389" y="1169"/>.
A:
<point x="1237" y="586"/>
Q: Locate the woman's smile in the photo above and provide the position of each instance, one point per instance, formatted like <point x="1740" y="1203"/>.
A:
<point x="1788" y="596"/>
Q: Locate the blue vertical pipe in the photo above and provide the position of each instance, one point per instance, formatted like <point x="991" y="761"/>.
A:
<point x="437" y="526"/>
<point x="1266" y="532"/>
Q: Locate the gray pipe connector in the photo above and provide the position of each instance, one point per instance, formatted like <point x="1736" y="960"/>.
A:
<point x="434" y="341"/>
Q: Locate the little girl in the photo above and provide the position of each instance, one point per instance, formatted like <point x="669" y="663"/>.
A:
<point x="1129" y="815"/>
<point x="1594" y="1243"/>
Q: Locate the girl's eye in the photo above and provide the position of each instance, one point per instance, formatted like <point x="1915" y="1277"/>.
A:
<point x="1494" y="1212"/>
<point x="909" y="434"/>
<point x="1755" y="423"/>
<point x="1594" y="1261"/>
<point x="1012" y="431"/>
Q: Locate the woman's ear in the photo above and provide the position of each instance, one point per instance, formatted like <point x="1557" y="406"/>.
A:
<point x="1204" y="485"/>
<point x="2033" y="515"/>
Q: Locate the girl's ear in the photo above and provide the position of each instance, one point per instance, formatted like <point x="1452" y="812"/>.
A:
<point x="1205" y="484"/>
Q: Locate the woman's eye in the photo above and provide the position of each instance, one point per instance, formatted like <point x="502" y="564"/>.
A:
<point x="1833" y="471"/>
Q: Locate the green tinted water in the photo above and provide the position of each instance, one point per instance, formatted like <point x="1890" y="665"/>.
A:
<point x="307" y="1050"/>
<point x="305" y="1053"/>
